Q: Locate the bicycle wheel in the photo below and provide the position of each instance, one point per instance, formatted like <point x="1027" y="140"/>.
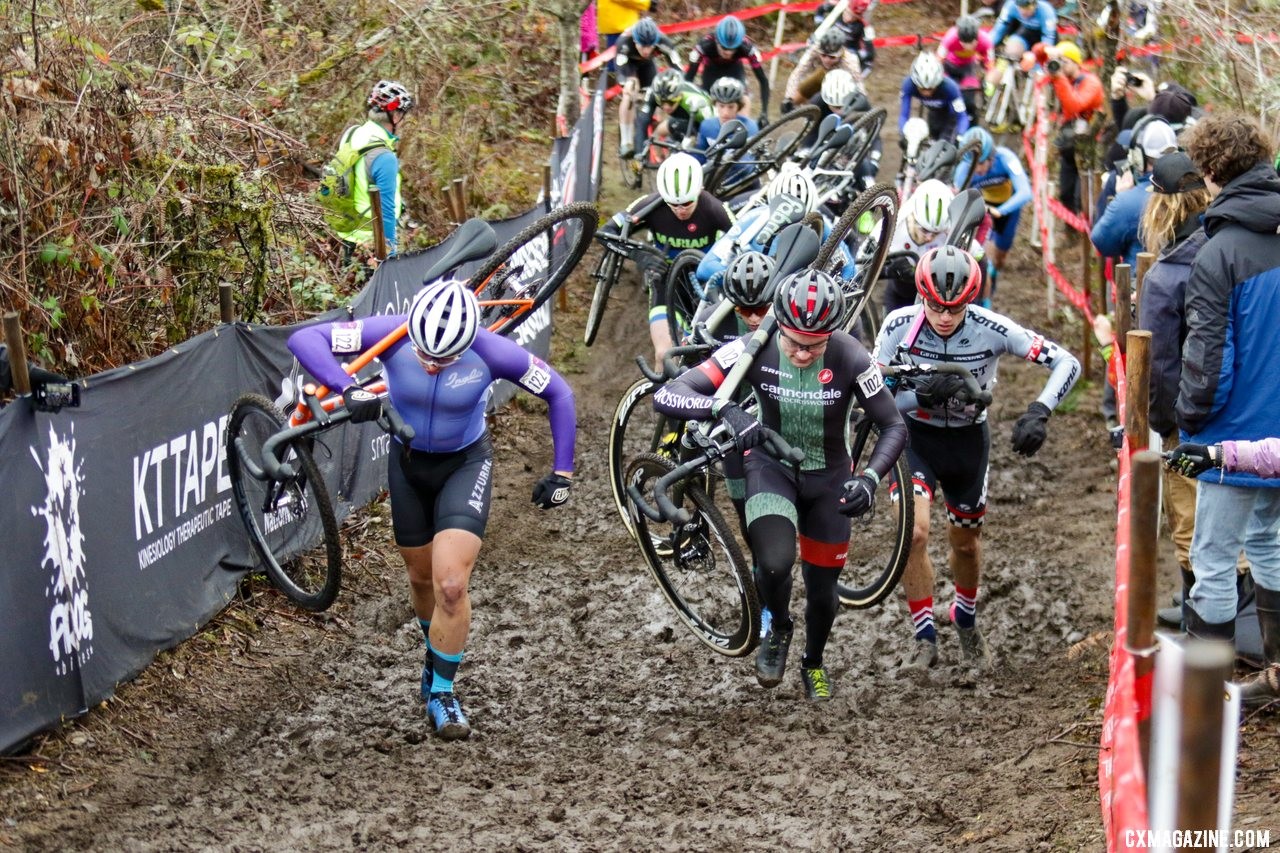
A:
<point x="867" y="225"/>
<point x="291" y="523"/>
<point x="683" y="293"/>
<point x="698" y="566"/>
<point x="880" y="542"/>
<point x="522" y="275"/>
<point x="973" y="146"/>
<point x="996" y="116"/>
<point x="866" y="130"/>
<point x="763" y="152"/>
<point x="636" y="430"/>
<point x="605" y="276"/>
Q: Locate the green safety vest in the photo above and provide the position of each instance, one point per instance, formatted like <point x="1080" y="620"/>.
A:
<point x="367" y="134"/>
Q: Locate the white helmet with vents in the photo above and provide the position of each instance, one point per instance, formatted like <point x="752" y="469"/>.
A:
<point x="680" y="178"/>
<point x="443" y="319"/>
<point x="929" y="206"/>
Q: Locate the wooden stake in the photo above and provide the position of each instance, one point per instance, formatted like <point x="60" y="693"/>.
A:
<point x="17" y="353"/>
<point x="459" y="201"/>
<point x="1207" y="665"/>
<point x="1124" y="315"/>
<point x="1137" y="375"/>
<point x="375" y="214"/>
<point x="226" y="304"/>
<point x="1144" y="526"/>
<point x="1145" y="260"/>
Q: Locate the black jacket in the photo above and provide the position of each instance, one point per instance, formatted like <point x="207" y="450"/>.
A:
<point x="1161" y="313"/>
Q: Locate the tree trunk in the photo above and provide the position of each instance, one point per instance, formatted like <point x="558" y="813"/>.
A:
<point x="567" y="14"/>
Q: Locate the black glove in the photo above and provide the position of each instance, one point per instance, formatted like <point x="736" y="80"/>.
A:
<point x="363" y="405"/>
<point x="933" y="391"/>
<point x="552" y="490"/>
<point x="1192" y="460"/>
<point x="745" y="429"/>
<point x="859" y="495"/>
<point x="1029" y="432"/>
<point x="901" y="268"/>
<point x="787" y="106"/>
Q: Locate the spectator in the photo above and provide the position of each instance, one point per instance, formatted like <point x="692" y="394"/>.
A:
<point x="1229" y="389"/>
<point x="388" y="104"/>
<point x="1115" y="233"/>
<point x="614" y="17"/>
<point x="1080" y="93"/>
<point x="1171" y="228"/>
<point x="1169" y="101"/>
<point x="588" y="36"/>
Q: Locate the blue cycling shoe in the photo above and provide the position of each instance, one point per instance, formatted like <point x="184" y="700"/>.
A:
<point x="446" y="714"/>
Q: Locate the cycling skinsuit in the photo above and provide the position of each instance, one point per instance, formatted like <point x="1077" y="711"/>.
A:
<point x="950" y="443"/>
<point x="442" y="479"/>
<point x="900" y="287"/>
<point x="708" y="62"/>
<point x="631" y="64"/>
<point x="692" y="107"/>
<point x="944" y="109"/>
<point x="1040" y="26"/>
<point x="810" y="408"/>
<point x="1005" y="189"/>
<point x="960" y="61"/>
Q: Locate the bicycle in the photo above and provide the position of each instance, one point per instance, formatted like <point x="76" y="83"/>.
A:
<point x="278" y="488"/>
<point x="866" y="227"/>
<point x="617" y="248"/>
<point x="742" y="167"/>
<point x="836" y="176"/>
<point x="1011" y="106"/>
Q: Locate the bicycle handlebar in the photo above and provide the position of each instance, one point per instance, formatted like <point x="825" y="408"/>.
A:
<point x="979" y="397"/>
<point x="274" y="468"/>
<point x="713" y="448"/>
<point x="671" y="366"/>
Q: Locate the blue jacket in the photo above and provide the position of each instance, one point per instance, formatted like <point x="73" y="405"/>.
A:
<point x="1230" y="388"/>
<point x="1115" y="235"/>
<point x="1161" y="313"/>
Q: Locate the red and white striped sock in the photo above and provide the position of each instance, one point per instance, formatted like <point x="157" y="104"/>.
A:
<point x="922" y="618"/>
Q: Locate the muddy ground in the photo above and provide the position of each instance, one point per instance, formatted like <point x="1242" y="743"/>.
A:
<point x="600" y="723"/>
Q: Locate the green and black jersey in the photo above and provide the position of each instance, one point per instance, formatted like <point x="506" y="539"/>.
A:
<point x="810" y="408"/>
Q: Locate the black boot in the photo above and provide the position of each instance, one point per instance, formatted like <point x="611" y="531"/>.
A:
<point x="1200" y="629"/>
<point x="1264" y="687"/>
<point x="1173" y="617"/>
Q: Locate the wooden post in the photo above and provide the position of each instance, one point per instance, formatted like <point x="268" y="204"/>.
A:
<point x="1124" y="315"/>
<point x="1086" y="279"/>
<point x="1145" y="260"/>
<point x="1207" y="665"/>
<point x="375" y="213"/>
<point x="447" y="197"/>
<point x="1137" y="376"/>
<point x="459" y="200"/>
<point x="1144" y="526"/>
<point x="546" y="189"/>
<point x="17" y="353"/>
<point x="226" y="305"/>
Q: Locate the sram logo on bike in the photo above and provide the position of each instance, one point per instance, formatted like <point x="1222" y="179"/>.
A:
<point x="345" y="337"/>
<point x="537" y="377"/>
<point x="870" y="381"/>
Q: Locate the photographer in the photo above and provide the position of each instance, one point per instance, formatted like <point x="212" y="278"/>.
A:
<point x="1081" y="95"/>
<point x="39" y="376"/>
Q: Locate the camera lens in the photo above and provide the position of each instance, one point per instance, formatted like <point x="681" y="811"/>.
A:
<point x="1053" y="65"/>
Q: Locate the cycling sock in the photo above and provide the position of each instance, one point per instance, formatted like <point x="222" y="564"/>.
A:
<point x="922" y="618"/>
<point x="628" y="136"/>
<point x="964" y="609"/>
<point x="444" y="669"/>
<point x="822" y="600"/>
<point x="425" y="625"/>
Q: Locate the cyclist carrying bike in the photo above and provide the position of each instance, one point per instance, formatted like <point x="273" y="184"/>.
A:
<point x="680" y="106"/>
<point x="939" y="96"/>
<point x="950" y="441"/>
<point x="680" y="215"/>
<point x="638" y="49"/>
<point x="826" y="53"/>
<point x="439" y="377"/>
<point x="854" y="24"/>
<point x="722" y="54"/>
<point x="1005" y="188"/>
<point x="1034" y="20"/>
<point x="807" y="378"/>
<point x="966" y="54"/>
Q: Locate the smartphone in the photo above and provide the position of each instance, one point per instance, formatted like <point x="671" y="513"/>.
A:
<point x="1122" y="166"/>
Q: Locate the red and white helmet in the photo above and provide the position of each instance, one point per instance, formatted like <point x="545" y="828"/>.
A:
<point x="948" y="276"/>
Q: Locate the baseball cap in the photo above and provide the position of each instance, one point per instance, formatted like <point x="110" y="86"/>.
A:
<point x="1175" y="173"/>
<point x="1157" y="138"/>
<point x="1172" y="102"/>
<point x="1069" y="50"/>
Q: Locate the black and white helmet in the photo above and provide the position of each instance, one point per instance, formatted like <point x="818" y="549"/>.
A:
<point x="926" y="71"/>
<point x="798" y="185"/>
<point x="831" y="42"/>
<point x="667" y="85"/>
<point x="748" y="283"/>
<point x="728" y="90"/>
<point x="810" y="302"/>
<point x="443" y="319"/>
<point x="838" y="88"/>
<point x="389" y="96"/>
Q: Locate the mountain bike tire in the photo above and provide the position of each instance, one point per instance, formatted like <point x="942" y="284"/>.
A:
<point x="763" y="152"/>
<point x="682" y="293"/>
<point x="878" y="546"/>
<point x="865" y="132"/>
<point x="698" y="566"/>
<point x="605" y="276"/>
<point x="291" y="524"/>
<point x="881" y="203"/>
<point x="974" y="147"/>
<point x="636" y="429"/>
<point x="532" y="265"/>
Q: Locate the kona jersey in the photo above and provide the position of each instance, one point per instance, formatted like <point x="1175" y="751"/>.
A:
<point x="447" y="410"/>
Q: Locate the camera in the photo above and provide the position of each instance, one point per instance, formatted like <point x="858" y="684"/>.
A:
<point x="1054" y="66"/>
<point x="1133" y="80"/>
<point x="55" y="396"/>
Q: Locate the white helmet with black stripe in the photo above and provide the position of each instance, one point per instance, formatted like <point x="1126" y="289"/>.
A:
<point x="443" y="319"/>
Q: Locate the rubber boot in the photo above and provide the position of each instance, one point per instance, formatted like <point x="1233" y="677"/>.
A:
<point x="1200" y="629"/>
<point x="1264" y="687"/>
<point x="1175" y="617"/>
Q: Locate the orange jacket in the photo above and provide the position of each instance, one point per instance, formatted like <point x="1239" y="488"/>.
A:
<point x="1081" y="97"/>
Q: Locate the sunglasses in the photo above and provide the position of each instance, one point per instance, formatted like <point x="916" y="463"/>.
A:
<point x="431" y="363"/>
<point x="799" y="347"/>
<point x="751" y="312"/>
<point x="830" y="55"/>
<point x="939" y="308"/>
<point x="684" y="205"/>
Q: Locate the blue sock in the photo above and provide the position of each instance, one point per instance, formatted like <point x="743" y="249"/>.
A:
<point x="444" y="670"/>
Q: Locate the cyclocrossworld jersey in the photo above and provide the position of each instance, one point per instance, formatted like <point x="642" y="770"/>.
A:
<point x="447" y="410"/>
<point x="977" y="343"/>
<point x="809" y="408"/>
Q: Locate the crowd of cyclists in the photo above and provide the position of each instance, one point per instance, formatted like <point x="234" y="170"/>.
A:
<point x="816" y="353"/>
